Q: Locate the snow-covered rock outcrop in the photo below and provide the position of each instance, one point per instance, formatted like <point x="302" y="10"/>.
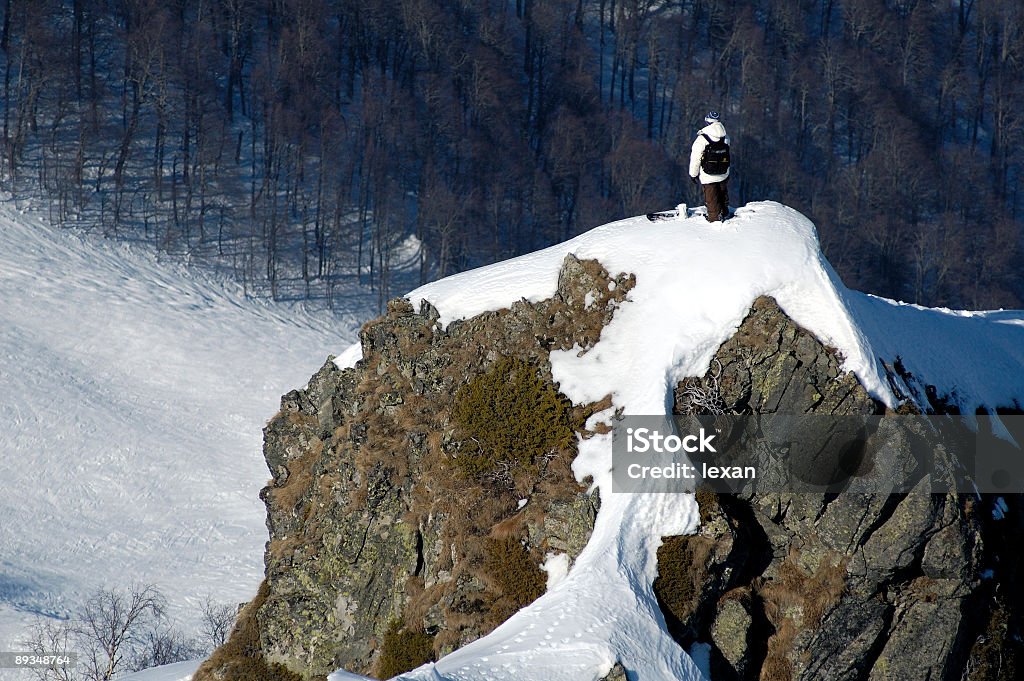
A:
<point x="656" y="304"/>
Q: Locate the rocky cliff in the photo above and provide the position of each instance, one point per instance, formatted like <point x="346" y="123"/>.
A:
<point x="392" y="539"/>
<point x="848" y="585"/>
<point x="397" y="534"/>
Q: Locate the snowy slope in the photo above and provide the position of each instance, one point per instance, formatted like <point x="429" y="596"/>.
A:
<point x="179" y="671"/>
<point x="132" y="398"/>
<point x="695" y="283"/>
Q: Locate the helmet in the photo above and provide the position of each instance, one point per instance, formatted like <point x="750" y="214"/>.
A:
<point x="712" y="117"/>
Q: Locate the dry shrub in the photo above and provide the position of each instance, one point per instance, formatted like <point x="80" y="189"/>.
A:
<point x="419" y="599"/>
<point x="300" y="477"/>
<point x="508" y="528"/>
<point x="281" y="550"/>
<point x="741" y="594"/>
<point x="328" y="482"/>
<point x="515" y="575"/>
<point x="584" y="412"/>
<point x="415" y="412"/>
<point x="797" y="601"/>
<point x="707" y="502"/>
<point x="403" y="650"/>
<point x="510" y="416"/>
<point x="777" y="666"/>
<point x="810" y="594"/>
<point x="995" y="652"/>
<point x="386" y="445"/>
<point x="449" y="638"/>
<point x="924" y="588"/>
<point x="682" y="570"/>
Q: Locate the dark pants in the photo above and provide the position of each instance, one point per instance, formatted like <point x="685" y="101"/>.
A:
<point x="716" y="198"/>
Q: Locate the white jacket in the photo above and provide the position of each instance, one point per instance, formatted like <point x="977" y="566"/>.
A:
<point x="715" y="131"/>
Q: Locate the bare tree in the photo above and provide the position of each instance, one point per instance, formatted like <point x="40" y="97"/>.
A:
<point x="218" y="621"/>
<point x="276" y="120"/>
<point x="114" y="631"/>
<point x="164" y="644"/>
<point x="111" y="623"/>
<point x="52" y="637"/>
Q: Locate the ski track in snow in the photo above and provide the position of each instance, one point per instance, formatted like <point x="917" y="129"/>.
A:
<point x="133" y="393"/>
<point x="695" y="284"/>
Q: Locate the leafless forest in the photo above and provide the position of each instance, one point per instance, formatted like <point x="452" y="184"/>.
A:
<point x="299" y="143"/>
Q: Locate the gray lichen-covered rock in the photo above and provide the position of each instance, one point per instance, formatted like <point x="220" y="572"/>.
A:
<point x="367" y="506"/>
<point x="730" y="631"/>
<point x="371" y="545"/>
<point x="617" y="673"/>
<point x="847" y="585"/>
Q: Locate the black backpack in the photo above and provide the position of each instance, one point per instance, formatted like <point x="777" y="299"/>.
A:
<point x="715" y="159"/>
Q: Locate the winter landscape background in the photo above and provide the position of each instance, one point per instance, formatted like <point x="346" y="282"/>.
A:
<point x="299" y="143"/>
<point x="133" y="392"/>
<point x="268" y="173"/>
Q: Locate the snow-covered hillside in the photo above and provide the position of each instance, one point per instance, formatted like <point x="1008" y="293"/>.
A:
<point x="695" y="283"/>
<point x="133" y="393"/>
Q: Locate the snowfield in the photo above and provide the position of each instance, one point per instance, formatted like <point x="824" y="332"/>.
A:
<point x="695" y="283"/>
<point x="179" y="671"/>
<point x="133" y="394"/>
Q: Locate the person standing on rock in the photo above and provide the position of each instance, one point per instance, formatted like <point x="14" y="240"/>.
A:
<point x="709" y="166"/>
